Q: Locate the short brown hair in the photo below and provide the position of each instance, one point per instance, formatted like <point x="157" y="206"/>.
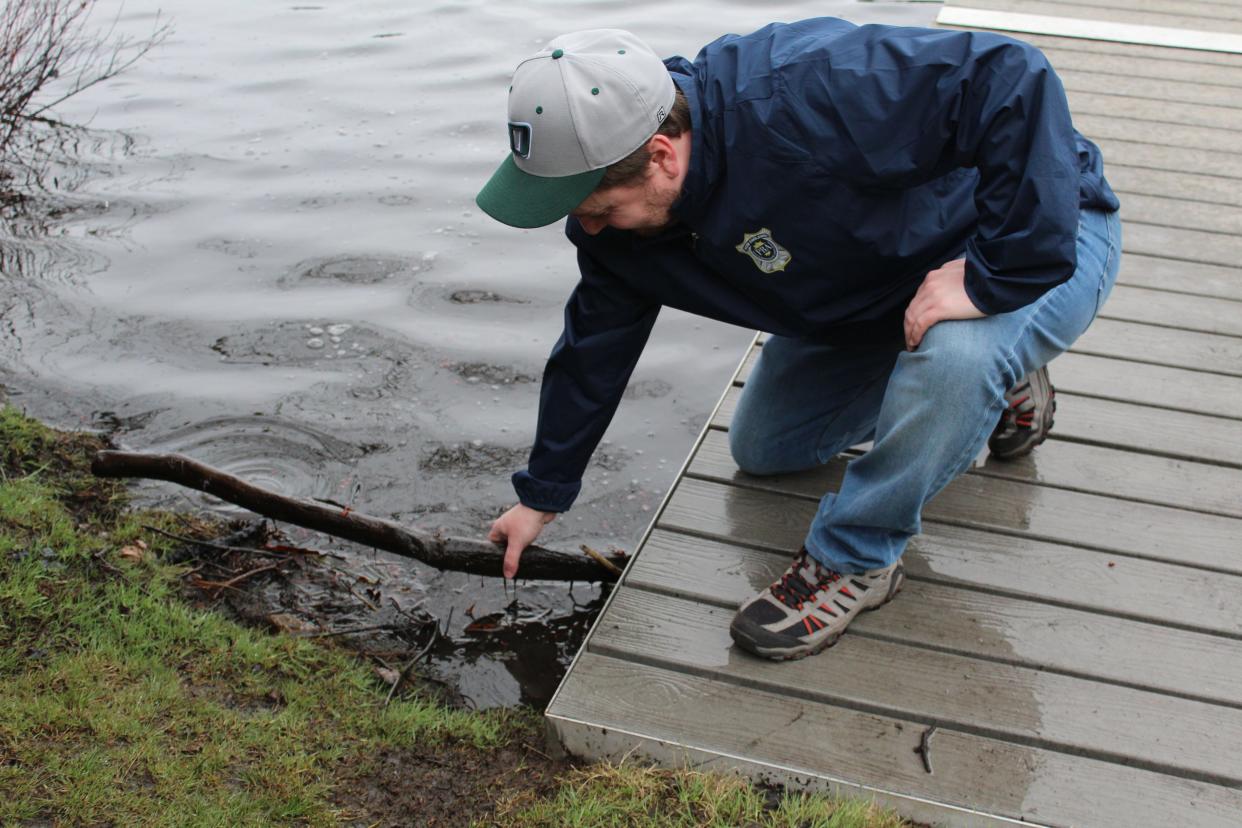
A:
<point x="633" y="168"/>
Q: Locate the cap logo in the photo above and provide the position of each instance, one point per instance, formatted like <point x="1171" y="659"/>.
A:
<point x="519" y="138"/>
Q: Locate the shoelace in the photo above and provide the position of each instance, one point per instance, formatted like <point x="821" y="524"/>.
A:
<point x="793" y="589"/>
<point x="1021" y="410"/>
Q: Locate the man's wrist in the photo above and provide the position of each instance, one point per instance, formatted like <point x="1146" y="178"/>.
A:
<point x="544" y="515"/>
<point x="544" y="495"/>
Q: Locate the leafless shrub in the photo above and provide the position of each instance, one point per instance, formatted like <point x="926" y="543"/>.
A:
<point x="47" y="55"/>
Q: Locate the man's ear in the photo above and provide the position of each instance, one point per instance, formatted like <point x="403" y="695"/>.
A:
<point x="664" y="158"/>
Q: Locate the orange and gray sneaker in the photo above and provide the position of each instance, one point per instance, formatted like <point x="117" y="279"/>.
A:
<point x="1027" y="417"/>
<point x="809" y="607"/>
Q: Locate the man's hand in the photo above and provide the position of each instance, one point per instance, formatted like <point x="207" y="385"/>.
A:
<point x="518" y="527"/>
<point x="941" y="296"/>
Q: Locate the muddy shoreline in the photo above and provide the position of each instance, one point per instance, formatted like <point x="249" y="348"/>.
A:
<point x="262" y="575"/>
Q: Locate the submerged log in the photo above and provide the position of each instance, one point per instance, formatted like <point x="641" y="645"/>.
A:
<point x="478" y="557"/>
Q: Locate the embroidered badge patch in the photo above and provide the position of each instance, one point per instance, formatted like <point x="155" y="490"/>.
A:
<point x="763" y="250"/>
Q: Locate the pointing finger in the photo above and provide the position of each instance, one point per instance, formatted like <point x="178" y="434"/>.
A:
<point x="512" y="555"/>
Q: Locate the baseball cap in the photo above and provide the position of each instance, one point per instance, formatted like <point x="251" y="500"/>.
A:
<point x="584" y="101"/>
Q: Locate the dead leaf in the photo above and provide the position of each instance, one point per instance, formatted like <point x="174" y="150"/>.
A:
<point x="488" y="623"/>
<point x="134" y="552"/>
<point x="285" y="622"/>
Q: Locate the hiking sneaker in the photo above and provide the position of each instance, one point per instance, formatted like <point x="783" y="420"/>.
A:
<point x="809" y="607"/>
<point x="1027" y="418"/>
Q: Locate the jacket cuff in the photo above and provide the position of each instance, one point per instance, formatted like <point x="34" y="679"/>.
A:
<point x="545" y="495"/>
<point x="979" y="291"/>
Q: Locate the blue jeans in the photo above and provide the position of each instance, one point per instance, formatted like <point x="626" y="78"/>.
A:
<point x="929" y="411"/>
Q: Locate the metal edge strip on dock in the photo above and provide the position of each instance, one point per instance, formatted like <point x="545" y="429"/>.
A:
<point x="655" y="518"/>
<point x="1091" y="29"/>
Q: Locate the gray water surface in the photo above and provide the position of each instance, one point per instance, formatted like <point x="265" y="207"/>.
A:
<point x="269" y="258"/>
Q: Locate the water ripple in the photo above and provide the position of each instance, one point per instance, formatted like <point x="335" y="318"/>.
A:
<point x="286" y="457"/>
<point x="354" y="270"/>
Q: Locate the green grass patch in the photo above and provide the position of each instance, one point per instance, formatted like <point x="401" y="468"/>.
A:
<point x="119" y="702"/>
<point x="638" y="796"/>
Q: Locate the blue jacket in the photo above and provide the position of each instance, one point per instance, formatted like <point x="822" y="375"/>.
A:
<point x="832" y="167"/>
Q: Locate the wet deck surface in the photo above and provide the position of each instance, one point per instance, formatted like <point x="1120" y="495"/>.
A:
<point x="1072" y="625"/>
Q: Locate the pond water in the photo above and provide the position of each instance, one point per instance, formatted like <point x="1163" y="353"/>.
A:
<point x="266" y="255"/>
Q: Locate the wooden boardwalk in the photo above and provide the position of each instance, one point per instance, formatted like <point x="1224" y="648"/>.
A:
<point x="1072" y="626"/>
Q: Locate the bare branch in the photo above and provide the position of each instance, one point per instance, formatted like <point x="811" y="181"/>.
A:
<point x="479" y="557"/>
<point x="48" y="54"/>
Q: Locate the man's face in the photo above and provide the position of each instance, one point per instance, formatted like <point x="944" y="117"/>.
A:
<point x="642" y="207"/>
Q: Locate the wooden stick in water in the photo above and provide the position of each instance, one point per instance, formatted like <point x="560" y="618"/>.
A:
<point x="478" y="557"/>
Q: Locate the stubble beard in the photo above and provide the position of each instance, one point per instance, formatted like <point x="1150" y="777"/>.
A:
<point x="659" y="214"/>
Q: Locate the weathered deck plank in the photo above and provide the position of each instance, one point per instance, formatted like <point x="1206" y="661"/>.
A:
<point x="1190" y="8"/>
<point x="1156" y="55"/>
<point x="1132" y="66"/>
<point x="1188" y="313"/>
<point x="675" y="718"/>
<point x="1142" y="383"/>
<point x="1189" y="215"/>
<point x="1033" y="707"/>
<point x="1133" y="130"/>
<point x="1180" y="15"/>
<point x="1162" y="273"/>
<point x="1126" y="475"/>
<point x="1182" y="187"/>
<point x="1174" y="434"/>
<point x="1012" y="565"/>
<point x="1202" y="91"/>
<point x="1183" y="245"/>
<point x="1132" y="478"/>
<point x="1156" y="386"/>
<point x="1162" y="346"/>
<point x="1032" y="633"/>
<point x="1157" y="112"/>
<point x="1152" y="156"/>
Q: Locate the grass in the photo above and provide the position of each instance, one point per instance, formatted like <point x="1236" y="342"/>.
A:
<point x="120" y="703"/>
<point x="635" y="795"/>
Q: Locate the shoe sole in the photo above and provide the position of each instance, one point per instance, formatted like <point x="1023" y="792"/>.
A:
<point x="1026" y="448"/>
<point x="743" y="632"/>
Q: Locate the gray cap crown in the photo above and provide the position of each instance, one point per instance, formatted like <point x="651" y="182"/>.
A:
<point x="586" y="100"/>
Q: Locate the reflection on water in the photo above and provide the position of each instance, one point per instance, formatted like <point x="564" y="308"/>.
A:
<point x="267" y="255"/>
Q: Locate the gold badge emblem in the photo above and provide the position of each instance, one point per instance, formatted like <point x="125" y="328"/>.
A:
<point x="763" y="250"/>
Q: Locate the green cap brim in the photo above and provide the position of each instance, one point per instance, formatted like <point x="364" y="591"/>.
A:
<point x="520" y="199"/>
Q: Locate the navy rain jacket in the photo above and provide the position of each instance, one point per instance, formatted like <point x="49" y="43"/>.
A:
<point x="832" y="167"/>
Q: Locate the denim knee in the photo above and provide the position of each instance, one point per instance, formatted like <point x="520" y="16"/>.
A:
<point x="960" y="359"/>
<point x="746" y="445"/>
